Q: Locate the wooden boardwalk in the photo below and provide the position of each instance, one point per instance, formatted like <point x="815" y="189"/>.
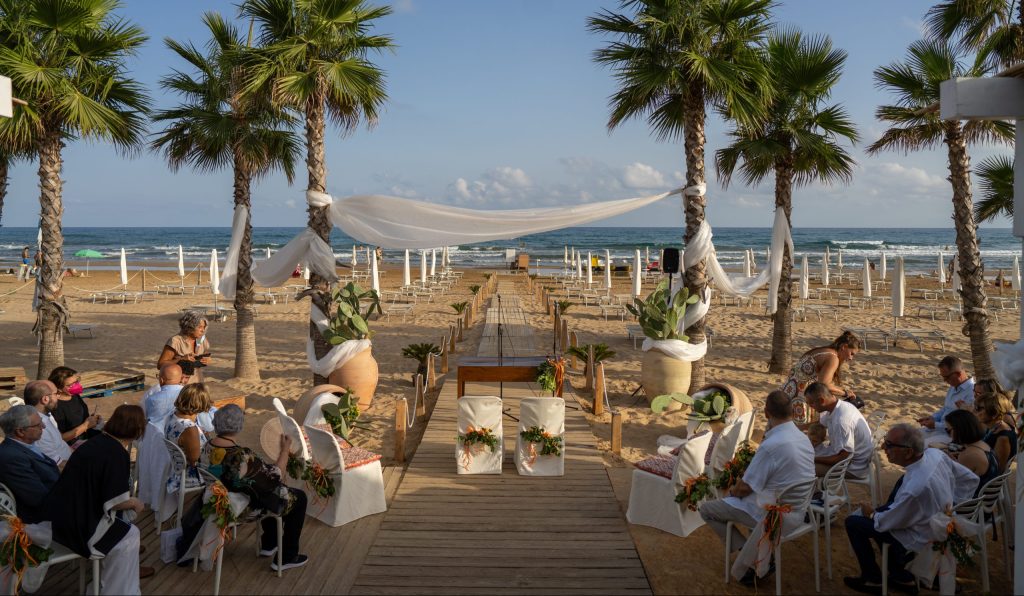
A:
<point x="506" y="534"/>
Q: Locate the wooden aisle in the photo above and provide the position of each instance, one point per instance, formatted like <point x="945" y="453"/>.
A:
<point x="506" y="534"/>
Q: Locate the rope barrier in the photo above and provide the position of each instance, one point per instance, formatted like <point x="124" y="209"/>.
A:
<point x="27" y="284"/>
<point x="410" y="413"/>
<point x="117" y="287"/>
<point x="162" y="280"/>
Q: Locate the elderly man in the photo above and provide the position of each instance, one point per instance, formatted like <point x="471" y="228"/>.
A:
<point x="959" y="395"/>
<point x="785" y="457"/>
<point x="848" y="432"/>
<point x="23" y="468"/>
<point x="931" y="483"/>
<point x="42" y="395"/>
<point x="159" y="401"/>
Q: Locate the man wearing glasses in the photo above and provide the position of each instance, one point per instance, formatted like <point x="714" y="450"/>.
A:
<point x="959" y="395"/>
<point x="23" y="468"/>
<point x="42" y="395"/>
<point x="932" y="483"/>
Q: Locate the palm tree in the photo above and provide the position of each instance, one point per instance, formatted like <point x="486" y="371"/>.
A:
<point x="913" y="127"/>
<point x="798" y="142"/>
<point x="992" y="28"/>
<point x="215" y="127"/>
<point x="995" y="177"/>
<point x="17" y="134"/>
<point x="68" y="63"/>
<point x="314" y="58"/>
<point x="672" y="59"/>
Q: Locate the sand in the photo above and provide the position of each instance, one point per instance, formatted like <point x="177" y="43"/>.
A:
<point x="902" y="381"/>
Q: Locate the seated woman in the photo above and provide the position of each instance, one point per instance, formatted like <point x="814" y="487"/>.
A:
<point x="181" y="427"/>
<point x="188" y="347"/>
<point x="991" y="410"/>
<point x="90" y="503"/>
<point x="965" y="430"/>
<point x="241" y="470"/>
<point x="992" y="387"/>
<point x="72" y="415"/>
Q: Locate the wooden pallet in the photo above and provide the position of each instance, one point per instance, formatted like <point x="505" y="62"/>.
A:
<point x="12" y="378"/>
<point x="104" y="382"/>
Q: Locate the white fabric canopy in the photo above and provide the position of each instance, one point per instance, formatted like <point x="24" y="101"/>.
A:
<point x="393" y="222"/>
<point x="307" y="248"/>
<point x="124" y="269"/>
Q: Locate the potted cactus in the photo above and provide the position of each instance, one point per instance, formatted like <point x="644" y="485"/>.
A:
<point x="348" y="322"/>
<point x="713" y="407"/>
<point x="662" y="319"/>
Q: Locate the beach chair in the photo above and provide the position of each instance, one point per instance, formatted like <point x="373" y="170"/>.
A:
<point x="357" y="476"/>
<point x="179" y="463"/>
<point x="833" y="496"/>
<point x="918" y="336"/>
<point x="988" y="512"/>
<point x="656" y="480"/>
<point x="81" y="328"/>
<point x="866" y="333"/>
<point x="404" y="309"/>
<point x="548" y="414"/>
<point x="478" y="412"/>
<point x="61" y="553"/>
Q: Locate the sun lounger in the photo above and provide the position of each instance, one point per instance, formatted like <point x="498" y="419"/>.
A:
<point x="403" y="309"/>
<point x="932" y="310"/>
<point x="919" y="335"/>
<point x="81" y="328"/>
<point x="866" y="333"/>
<point x="613" y="309"/>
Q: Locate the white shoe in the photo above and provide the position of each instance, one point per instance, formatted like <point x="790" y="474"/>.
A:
<point x="298" y="561"/>
<point x="270" y="552"/>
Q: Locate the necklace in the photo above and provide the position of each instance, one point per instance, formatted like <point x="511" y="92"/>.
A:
<point x="125" y="444"/>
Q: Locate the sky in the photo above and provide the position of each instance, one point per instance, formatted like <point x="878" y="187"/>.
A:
<point x="498" y="105"/>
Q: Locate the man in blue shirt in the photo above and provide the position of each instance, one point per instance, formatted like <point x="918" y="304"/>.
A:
<point x="159" y="404"/>
<point x="959" y="395"/>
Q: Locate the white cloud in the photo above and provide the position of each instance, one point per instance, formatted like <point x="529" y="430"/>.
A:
<point x="641" y="175"/>
<point x="509" y="177"/>
<point x="290" y="203"/>
<point x="915" y="25"/>
<point x="404" y="6"/>
<point x="904" y="177"/>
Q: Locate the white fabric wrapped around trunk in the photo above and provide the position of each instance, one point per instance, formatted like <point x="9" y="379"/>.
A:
<point x="229" y="280"/>
<point x="677" y="348"/>
<point x="339" y="354"/>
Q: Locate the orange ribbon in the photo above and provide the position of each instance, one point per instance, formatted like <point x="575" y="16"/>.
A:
<point x="18" y="541"/>
<point x="222" y="509"/>
<point x="773" y="526"/>
<point x="558" y="365"/>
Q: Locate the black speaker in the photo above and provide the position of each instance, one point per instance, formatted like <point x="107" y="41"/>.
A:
<point x="670" y="260"/>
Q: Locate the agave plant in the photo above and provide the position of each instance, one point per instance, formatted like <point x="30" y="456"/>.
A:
<point x="601" y="352"/>
<point x="343" y="415"/>
<point x="474" y="288"/>
<point x="660" y="319"/>
<point x="419" y="353"/>
<point x="564" y="305"/>
<point x="459" y="307"/>
<point x="348" y="322"/>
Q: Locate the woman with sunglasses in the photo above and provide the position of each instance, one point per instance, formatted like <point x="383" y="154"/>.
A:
<point x="992" y="410"/>
<point x="964" y="428"/>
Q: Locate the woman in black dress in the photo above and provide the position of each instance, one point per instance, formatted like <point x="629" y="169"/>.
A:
<point x="72" y="415"/>
<point x="91" y="506"/>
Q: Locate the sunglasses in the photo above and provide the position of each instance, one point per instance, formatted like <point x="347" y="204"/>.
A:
<point x="887" y="444"/>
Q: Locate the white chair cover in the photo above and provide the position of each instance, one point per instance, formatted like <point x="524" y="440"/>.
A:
<point x="728" y="443"/>
<point x="358" y="492"/>
<point x="548" y="413"/>
<point x="314" y="415"/>
<point x="480" y="412"/>
<point x="652" y="497"/>
<point x="293" y="430"/>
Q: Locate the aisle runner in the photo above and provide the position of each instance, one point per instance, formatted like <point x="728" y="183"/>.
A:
<point x="446" y="533"/>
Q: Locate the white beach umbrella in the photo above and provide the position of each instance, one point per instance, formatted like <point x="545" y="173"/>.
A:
<point x="899" y="290"/>
<point x="181" y="262"/>
<point x="590" y="269"/>
<point x="305" y="273"/>
<point x="1015" y="274"/>
<point x="355" y="261"/>
<point x="572" y="256"/>
<point x="942" y="270"/>
<point x="647" y="255"/>
<point x="39" y="239"/>
<point x="805" y="279"/>
<point x="124" y="269"/>
<point x="423" y="267"/>
<point x="637" y="273"/>
<point x="954" y="278"/>
<point x="867" y="278"/>
<point x="268" y="253"/>
<point x="824" y="268"/>
<point x="579" y="268"/>
<point x="746" y="264"/>
<point x="214" y="273"/>
<point x="882" y="273"/>
<point x="374" y="277"/>
<point x="839" y="262"/>
<point x="608" y="270"/>
<point x="406" y="276"/>
<point x="444" y="257"/>
<point x="565" y="258"/>
<point x="433" y="262"/>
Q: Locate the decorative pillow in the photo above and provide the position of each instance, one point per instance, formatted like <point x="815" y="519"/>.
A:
<point x="660" y="465"/>
<point x="357" y="456"/>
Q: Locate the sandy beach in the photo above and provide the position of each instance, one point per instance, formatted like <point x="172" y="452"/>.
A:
<point x="901" y="381"/>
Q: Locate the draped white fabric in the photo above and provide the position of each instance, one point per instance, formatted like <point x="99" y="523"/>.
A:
<point x="339" y="354"/>
<point x="393" y="222"/>
<point x="677" y="348"/>
<point x="229" y="281"/>
<point x="306" y="248"/>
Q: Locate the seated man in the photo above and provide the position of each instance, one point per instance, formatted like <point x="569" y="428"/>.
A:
<point x="158" y="402"/>
<point x="785" y="457"/>
<point x="932" y="482"/>
<point x="959" y="395"/>
<point x="23" y="468"/>
<point x="42" y="395"/>
<point x="847" y="430"/>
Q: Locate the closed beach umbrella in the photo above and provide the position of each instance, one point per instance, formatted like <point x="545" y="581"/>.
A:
<point x="579" y="268"/>
<point x="608" y="270"/>
<point x="637" y="273"/>
<point x="374" y="276"/>
<point x="899" y="290"/>
<point x="867" y="279"/>
<point x="882" y="273"/>
<point x="305" y="272"/>
<point x="572" y="256"/>
<point x="87" y="254"/>
<point x="444" y="257"/>
<point x="124" y="269"/>
<point x="824" y="268"/>
<point x="1015" y="274"/>
<point x="942" y="270"/>
<point x="214" y="273"/>
<point x="746" y="264"/>
<point x="565" y="257"/>
<point x="354" y="260"/>
<point x="268" y="253"/>
<point x="839" y="262"/>
<point x="423" y="267"/>
<point x="647" y="255"/>
<point x="181" y="262"/>
<point x="805" y="279"/>
<point x="433" y="262"/>
<point x="39" y="239"/>
<point x="406" y="276"/>
<point x="590" y="269"/>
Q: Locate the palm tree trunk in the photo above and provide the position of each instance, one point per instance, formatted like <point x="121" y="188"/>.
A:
<point x="319" y="221"/>
<point x="693" y="144"/>
<point x="971" y="269"/>
<point x="247" y="365"/>
<point x="51" y="318"/>
<point x="4" y="173"/>
<point x="782" y="332"/>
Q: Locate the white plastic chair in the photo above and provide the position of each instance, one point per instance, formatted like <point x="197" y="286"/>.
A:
<point x="480" y="412"/>
<point x="178" y="461"/>
<point x="61" y="553"/>
<point x="833" y="496"/>
<point x="359" y="491"/>
<point x="873" y="480"/>
<point x="209" y="479"/>
<point x="652" y="497"/>
<point x="797" y="496"/>
<point x="987" y="504"/>
<point x="875" y="420"/>
<point x="548" y="413"/>
<point x="299" y="444"/>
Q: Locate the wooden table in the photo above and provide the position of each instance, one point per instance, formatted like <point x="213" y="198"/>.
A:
<point x="511" y="370"/>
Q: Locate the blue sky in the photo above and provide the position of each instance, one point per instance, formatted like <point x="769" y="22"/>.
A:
<point x="499" y="105"/>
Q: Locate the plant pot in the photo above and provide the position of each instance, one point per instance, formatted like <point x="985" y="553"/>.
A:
<point x="737" y="399"/>
<point x="303" y="404"/>
<point x="358" y="375"/>
<point x="661" y="374"/>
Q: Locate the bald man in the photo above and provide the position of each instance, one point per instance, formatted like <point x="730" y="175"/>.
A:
<point x="42" y="395"/>
<point x="159" y="404"/>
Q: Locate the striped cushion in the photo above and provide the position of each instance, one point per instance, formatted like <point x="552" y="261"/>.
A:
<point x="661" y="465"/>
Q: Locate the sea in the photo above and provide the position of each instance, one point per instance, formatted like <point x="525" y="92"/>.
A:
<point x="157" y="248"/>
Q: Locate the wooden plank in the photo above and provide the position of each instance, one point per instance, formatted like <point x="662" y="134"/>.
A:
<point x="12" y="378"/>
